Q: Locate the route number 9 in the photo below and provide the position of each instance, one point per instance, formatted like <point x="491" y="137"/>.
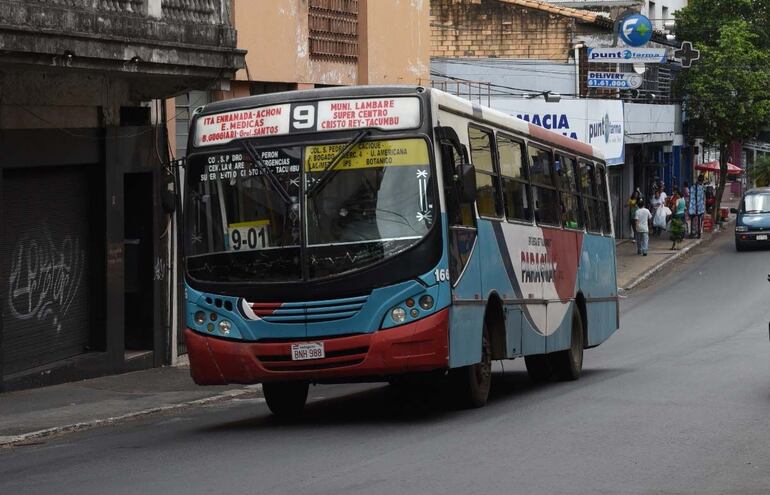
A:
<point x="303" y="117"/>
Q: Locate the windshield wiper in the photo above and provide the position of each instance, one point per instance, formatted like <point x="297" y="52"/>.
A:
<point x="329" y="170"/>
<point x="271" y="177"/>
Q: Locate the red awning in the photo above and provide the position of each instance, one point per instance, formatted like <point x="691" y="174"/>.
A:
<point x="714" y="167"/>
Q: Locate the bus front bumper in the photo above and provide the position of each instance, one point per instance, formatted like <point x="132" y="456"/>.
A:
<point x="419" y="346"/>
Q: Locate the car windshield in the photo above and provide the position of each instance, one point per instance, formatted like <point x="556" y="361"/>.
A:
<point x="377" y="202"/>
<point x="756" y="203"/>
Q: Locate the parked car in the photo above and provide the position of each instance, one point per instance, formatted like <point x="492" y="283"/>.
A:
<point x="752" y="225"/>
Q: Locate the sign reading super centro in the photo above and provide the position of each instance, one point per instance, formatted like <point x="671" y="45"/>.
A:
<point x="386" y="113"/>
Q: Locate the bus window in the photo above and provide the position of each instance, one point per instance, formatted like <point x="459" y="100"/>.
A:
<point x="544" y="193"/>
<point x="587" y="188"/>
<point x="601" y="194"/>
<point x="459" y="213"/>
<point x="570" y="198"/>
<point x="514" y="179"/>
<point x="486" y="178"/>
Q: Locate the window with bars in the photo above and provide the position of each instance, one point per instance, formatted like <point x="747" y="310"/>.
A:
<point x="333" y="29"/>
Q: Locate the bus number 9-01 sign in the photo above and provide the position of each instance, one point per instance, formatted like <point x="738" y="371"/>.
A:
<point x="248" y="236"/>
<point x="387" y="113"/>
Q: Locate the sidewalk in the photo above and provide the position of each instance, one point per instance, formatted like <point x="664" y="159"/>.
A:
<point x="30" y="414"/>
<point x="633" y="269"/>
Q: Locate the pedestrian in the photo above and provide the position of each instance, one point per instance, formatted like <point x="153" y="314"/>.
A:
<point x="663" y="195"/>
<point x="686" y="195"/>
<point x="655" y="203"/>
<point x="643" y="217"/>
<point x="677" y="228"/>
<point x="697" y="208"/>
<point x="632" y="207"/>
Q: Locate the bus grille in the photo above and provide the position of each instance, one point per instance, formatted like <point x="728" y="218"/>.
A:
<point x="308" y="312"/>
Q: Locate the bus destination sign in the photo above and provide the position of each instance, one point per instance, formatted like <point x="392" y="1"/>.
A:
<point x="386" y="113"/>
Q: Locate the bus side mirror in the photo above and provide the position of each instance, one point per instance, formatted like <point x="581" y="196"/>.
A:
<point x="467" y="182"/>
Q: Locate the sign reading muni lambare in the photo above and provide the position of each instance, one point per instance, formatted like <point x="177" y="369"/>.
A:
<point x="387" y="113"/>
<point x="594" y="121"/>
<point x="627" y="55"/>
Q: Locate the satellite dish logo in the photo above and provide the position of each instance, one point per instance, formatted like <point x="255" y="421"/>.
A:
<point x="636" y="30"/>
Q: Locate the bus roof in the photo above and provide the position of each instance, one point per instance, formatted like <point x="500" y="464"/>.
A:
<point x="501" y="119"/>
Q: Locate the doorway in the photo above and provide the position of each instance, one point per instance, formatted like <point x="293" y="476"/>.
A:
<point x="139" y="310"/>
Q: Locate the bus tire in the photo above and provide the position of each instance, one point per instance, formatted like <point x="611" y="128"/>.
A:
<point x="470" y="384"/>
<point x="286" y="399"/>
<point x="538" y="368"/>
<point x="568" y="364"/>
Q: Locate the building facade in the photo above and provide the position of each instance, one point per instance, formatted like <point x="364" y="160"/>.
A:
<point x="84" y="177"/>
<point x="509" y="53"/>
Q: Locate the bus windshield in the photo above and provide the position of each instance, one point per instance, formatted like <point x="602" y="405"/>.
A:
<point x="254" y="222"/>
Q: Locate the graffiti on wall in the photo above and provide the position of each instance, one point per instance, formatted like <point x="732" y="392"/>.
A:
<point x="45" y="277"/>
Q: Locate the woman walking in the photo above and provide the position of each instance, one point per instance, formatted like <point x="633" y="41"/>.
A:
<point x="677" y="229"/>
<point x="633" y="205"/>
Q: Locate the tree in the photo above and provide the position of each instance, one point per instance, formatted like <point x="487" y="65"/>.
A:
<point x="726" y="91"/>
<point x="759" y="173"/>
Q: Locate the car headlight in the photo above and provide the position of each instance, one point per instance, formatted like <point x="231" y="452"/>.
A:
<point x="741" y="228"/>
<point x="398" y="315"/>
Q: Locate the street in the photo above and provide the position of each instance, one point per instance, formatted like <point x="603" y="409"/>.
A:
<point x="676" y="402"/>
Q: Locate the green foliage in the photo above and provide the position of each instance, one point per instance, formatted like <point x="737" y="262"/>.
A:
<point x="726" y="91"/>
<point x="701" y="20"/>
<point x="759" y="173"/>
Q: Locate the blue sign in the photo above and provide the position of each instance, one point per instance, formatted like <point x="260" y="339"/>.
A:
<point x="635" y="30"/>
<point x="614" y="80"/>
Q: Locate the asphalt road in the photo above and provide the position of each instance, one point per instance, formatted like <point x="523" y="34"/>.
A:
<point x="677" y="402"/>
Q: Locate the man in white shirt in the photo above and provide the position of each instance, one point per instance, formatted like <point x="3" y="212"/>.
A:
<point x="643" y="217"/>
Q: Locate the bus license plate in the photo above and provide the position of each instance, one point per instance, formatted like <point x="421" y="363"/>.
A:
<point x="307" y="350"/>
<point x="762" y="237"/>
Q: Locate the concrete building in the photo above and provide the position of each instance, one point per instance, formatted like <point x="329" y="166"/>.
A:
<point x="507" y="53"/>
<point x="302" y="44"/>
<point x="84" y="265"/>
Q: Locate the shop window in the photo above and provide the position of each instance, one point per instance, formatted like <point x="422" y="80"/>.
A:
<point x="482" y="158"/>
<point x="513" y="175"/>
<point x="545" y="196"/>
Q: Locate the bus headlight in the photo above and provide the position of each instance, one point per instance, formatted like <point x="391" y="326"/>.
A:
<point x="398" y="315"/>
<point x="426" y="302"/>
<point x="199" y="317"/>
<point x="225" y="326"/>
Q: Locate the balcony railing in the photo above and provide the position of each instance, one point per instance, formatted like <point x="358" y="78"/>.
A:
<point x="190" y="11"/>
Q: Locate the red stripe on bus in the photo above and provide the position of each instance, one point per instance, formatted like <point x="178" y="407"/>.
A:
<point x="560" y="140"/>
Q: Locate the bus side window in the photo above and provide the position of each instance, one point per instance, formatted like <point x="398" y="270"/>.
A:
<point x="603" y="201"/>
<point x="544" y="193"/>
<point x="587" y="188"/>
<point x="487" y="184"/>
<point x="514" y="178"/>
<point x="459" y="213"/>
<point x="570" y="196"/>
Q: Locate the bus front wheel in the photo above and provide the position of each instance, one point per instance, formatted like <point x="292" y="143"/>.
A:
<point x="286" y="399"/>
<point x="470" y="384"/>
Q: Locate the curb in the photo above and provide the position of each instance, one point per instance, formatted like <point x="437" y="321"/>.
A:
<point x="12" y="440"/>
<point x="655" y="269"/>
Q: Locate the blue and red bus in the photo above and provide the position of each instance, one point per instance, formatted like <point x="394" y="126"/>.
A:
<point x="373" y="233"/>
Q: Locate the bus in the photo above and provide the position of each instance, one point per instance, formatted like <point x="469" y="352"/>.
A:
<point x="377" y="233"/>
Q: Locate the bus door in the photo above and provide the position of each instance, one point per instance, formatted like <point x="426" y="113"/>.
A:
<point x="465" y="324"/>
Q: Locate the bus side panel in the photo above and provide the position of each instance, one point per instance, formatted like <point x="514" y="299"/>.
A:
<point x="466" y="317"/>
<point x="598" y="282"/>
<point x="513" y="331"/>
<point x="561" y="338"/>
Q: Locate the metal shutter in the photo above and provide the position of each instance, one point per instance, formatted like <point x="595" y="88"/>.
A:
<point x="44" y="249"/>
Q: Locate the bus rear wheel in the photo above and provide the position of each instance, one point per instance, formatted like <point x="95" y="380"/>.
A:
<point x="470" y="384"/>
<point x="568" y="364"/>
<point x="286" y="399"/>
